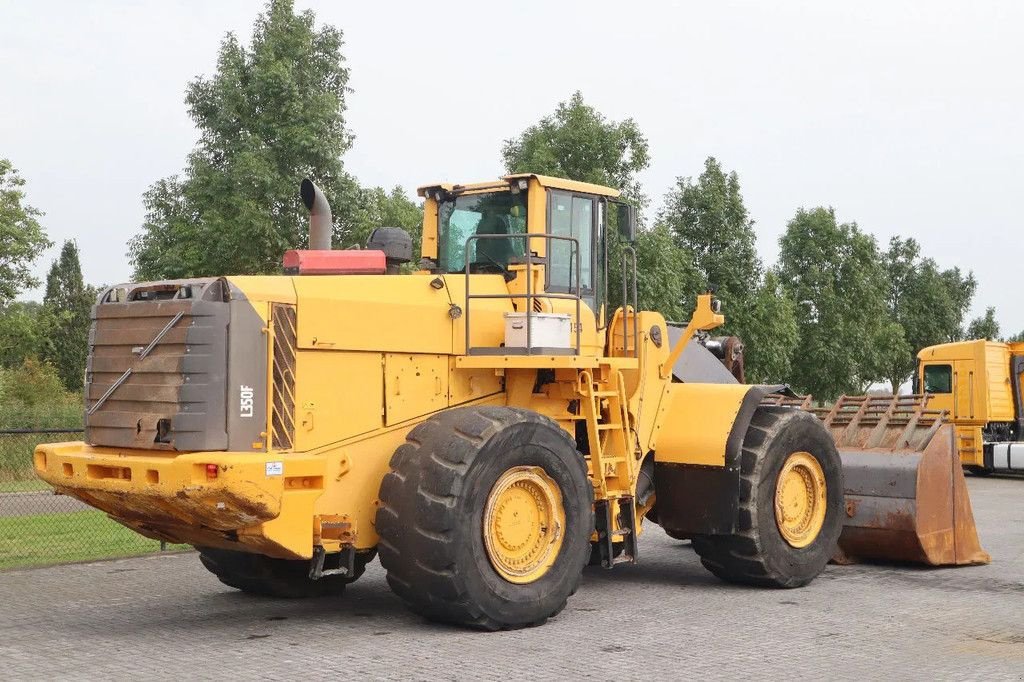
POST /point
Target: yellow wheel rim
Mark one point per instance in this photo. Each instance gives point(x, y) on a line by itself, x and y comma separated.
point(523, 524)
point(800, 495)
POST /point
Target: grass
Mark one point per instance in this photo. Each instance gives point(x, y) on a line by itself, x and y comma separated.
point(45, 539)
point(16, 472)
point(27, 486)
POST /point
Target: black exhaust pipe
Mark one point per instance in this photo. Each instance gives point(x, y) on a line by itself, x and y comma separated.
point(320, 220)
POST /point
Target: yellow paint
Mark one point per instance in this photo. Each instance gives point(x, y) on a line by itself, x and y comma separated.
point(800, 499)
point(414, 385)
point(523, 524)
point(341, 396)
point(704, 319)
point(374, 313)
point(175, 494)
point(694, 422)
point(981, 389)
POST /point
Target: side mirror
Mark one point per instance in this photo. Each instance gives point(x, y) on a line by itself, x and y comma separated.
point(627, 221)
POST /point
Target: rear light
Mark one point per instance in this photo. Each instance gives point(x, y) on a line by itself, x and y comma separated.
point(211, 471)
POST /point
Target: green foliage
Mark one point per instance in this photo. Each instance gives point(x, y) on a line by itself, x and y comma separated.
point(927, 303)
point(666, 278)
point(1016, 338)
point(65, 321)
point(21, 332)
point(710, 222)
point(984, 327)
point(771, 334)
point(272, 114)
point(22, 239)
point(33, 383)
point(834, 275)
point(379, 208)
point(579, 143)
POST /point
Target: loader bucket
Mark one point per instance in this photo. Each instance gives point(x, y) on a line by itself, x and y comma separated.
point(906, 497)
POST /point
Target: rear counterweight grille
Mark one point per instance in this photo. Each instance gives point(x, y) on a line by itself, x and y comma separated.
point(283, 396)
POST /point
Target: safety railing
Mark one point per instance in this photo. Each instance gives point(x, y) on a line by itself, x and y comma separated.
point(530, 295)
point(629, 285)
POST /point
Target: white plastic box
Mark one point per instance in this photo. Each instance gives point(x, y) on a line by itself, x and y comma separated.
point(548, 330)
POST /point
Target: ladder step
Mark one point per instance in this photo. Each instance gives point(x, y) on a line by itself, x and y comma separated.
point(607, 427)
point(603, 394)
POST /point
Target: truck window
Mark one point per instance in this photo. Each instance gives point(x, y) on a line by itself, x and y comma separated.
point(938, 379)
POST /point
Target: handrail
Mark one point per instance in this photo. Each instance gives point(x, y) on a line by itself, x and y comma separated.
point(631, 253)
point(530, 295)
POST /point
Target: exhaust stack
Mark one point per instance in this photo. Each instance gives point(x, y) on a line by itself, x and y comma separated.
point(320, 219)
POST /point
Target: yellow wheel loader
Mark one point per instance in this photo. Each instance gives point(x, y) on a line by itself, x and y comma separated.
point(487, 425)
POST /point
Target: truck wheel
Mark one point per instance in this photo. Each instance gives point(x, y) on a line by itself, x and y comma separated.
point(790, 506)
point(485, 518)
point(268, 577)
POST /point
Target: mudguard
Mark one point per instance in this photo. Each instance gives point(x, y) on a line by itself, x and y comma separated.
point(697, 448)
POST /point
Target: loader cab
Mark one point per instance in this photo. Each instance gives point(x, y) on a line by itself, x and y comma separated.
point(482, 229)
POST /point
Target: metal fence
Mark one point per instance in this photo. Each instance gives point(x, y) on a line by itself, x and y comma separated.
point(39, 527)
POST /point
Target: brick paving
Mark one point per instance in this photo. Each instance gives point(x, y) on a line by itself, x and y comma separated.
point(665, 618)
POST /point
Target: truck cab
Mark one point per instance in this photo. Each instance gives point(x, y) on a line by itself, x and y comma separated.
point(978, 383)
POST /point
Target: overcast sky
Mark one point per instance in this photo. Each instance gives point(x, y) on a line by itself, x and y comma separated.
point(907, 117)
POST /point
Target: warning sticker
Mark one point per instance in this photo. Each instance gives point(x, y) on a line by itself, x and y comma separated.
point(275, 468)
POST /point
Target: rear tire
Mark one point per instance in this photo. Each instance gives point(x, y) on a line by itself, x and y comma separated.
point(268, 577)
point(433, 506)
point(758, 553)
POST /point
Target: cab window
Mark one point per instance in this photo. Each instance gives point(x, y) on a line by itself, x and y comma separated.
point(938, 379)
point(570, 215)
point(486, 213)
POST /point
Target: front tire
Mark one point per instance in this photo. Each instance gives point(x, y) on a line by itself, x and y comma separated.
point(485, 518)
point(790, 507)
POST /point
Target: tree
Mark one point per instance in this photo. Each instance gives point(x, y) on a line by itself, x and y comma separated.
point(771, 333)
point(927, 303)
point(378, 208)
point(20, 332)
point(66, 306)
point(984, 327)
point(710, 222)
point(666, 279)
point(577, 142)
point(1016, 338)
point(833, 273)
point(272, 114)
point(22, 239)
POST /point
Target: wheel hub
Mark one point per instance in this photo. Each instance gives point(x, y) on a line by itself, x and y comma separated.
point(522, 524)
point(800, 499)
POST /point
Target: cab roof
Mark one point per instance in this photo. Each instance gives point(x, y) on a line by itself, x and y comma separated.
point(544, 180)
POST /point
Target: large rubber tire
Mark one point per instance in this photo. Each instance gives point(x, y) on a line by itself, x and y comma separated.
point(268, 577)
point(431, 511)
point(757, 554)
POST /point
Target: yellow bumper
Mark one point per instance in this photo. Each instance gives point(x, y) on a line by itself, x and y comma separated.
point(261, 502)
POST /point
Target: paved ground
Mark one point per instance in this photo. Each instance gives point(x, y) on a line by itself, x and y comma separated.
point(665, 618)
point(41, 502)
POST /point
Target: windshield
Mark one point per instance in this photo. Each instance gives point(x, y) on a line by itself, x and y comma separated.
point(485, 213)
